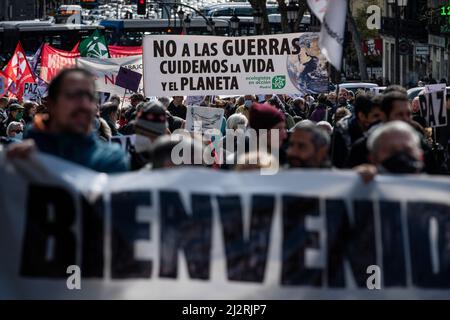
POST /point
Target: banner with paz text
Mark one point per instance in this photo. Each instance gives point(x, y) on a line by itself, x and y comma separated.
point(193, 233)
point(208, 65)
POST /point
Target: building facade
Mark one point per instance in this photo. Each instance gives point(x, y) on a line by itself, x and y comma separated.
point(13, 10)
point(424, 42)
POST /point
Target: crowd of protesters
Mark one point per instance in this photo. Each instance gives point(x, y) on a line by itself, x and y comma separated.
point(371, 134)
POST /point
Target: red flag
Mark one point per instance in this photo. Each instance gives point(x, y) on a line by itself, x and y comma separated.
point(54, 60)
point(75, 48)
point(120, 51)
point(3, 84)
point(18, 70)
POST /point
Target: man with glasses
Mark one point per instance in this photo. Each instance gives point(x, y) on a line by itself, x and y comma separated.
point(68, 130)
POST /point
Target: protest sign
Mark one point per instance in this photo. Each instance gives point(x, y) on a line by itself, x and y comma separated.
point(203, 119)
point(206, 65)
point(34, 91)
point(54, 60)
point(30, 92)
point(200, 100)
point(433, 105)
point(194, 100)
point(126, 142)
point(106, 71)
point(172, 234)
point(128, 79)
point(103, 97)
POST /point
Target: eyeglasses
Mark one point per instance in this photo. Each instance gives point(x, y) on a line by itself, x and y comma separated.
point(73, 95)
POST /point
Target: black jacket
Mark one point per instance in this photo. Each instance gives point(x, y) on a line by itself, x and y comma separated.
point(359, 154)
point(345, 134)
point(179, 111)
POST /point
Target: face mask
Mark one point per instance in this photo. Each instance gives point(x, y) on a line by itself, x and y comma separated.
point(401, 162)
point(19, 136)
point(19, 115)
point(142, 143)
point(248, 103)
point(299, 163)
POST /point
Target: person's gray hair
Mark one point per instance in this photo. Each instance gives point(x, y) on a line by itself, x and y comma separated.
point(165, 101)
point(325, 125)
point(14, 125)
point(394, 127)
point(302, 123)
point(237, 121)
point(320, 137)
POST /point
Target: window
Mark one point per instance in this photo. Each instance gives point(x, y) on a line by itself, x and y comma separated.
point(222, 12)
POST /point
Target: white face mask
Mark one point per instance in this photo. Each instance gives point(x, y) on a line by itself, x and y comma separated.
point(142, 143)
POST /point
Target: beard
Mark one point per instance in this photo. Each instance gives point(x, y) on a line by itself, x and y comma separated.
point(295, 162)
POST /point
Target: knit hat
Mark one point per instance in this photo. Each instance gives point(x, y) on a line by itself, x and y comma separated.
point(151, 119)
point(264, 116)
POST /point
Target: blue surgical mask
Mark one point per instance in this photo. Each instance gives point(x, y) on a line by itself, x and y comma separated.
point(19, 136)
point(248, 103)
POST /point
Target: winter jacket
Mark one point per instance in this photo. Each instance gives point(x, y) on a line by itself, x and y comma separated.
point(88, 151)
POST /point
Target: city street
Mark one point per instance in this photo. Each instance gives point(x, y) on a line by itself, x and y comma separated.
point(225, 150)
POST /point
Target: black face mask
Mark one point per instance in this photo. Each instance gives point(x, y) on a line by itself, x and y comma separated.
point(342, 101)
point(401, 162)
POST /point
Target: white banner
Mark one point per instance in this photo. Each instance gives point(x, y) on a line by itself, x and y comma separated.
point(433, 105)
point(31, 92)
point(106, 71)
point(203, 234)
point(207, 65)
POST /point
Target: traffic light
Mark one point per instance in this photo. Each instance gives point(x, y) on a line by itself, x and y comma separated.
point(142, 7)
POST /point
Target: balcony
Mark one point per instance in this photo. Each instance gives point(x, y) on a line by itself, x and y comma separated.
point(410, 29)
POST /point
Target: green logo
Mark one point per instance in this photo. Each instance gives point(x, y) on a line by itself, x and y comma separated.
point(278, 82)
point(97, 49)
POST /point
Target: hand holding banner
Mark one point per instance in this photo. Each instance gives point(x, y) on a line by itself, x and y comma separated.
point(196, 234)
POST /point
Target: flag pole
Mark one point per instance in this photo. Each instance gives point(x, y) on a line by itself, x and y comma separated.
point(123, 101)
